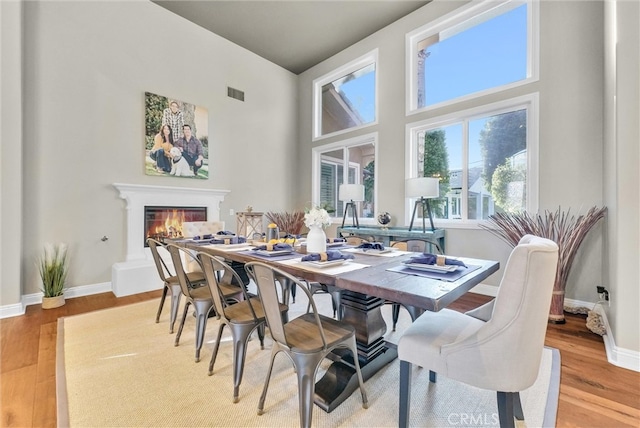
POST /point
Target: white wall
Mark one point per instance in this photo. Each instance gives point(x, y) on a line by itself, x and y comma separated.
point(10, 151)
point(86, 68)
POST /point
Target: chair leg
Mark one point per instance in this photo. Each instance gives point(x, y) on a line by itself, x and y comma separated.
point(505, 409)
point(363, 393)
point(274, 351)
point(162, 299)
point(395, 314)
point(240, 335)
point(336, 295)
point(215, 348)
point(517, 407)
point(175, 305)
point(405, 394)
point(306, 366)
point(184, 318)
point(261, 329)
point(202, 315)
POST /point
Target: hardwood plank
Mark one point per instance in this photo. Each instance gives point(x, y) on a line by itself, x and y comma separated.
point(17, 391)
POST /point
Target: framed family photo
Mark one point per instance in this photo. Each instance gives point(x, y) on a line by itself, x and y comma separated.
point(176, 140)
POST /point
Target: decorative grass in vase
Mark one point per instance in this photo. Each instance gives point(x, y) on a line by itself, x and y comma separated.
point(290, 223)
point(565, 229)
point(53, 268)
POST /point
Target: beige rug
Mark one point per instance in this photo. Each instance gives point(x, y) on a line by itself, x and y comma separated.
point(118, 368)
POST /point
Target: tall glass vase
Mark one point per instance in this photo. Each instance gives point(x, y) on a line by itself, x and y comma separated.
point(316, 240)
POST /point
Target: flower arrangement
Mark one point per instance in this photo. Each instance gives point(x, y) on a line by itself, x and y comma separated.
point(290, 223)
point(318, 217)
point(53, 269)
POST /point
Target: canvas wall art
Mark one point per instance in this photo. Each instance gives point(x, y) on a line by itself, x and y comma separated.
point(176, 138)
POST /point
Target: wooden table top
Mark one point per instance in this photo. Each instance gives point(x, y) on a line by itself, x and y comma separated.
point(376, 280)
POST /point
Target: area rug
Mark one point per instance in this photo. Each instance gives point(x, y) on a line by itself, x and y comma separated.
point(118, 368)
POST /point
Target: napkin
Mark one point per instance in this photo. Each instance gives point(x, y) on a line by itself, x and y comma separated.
point(225, 232)
point(198, 238)
point(274, 247)
point(328, 256)
point(371, 246)
point(432, 259)
point(229, 240)
point(331, 240)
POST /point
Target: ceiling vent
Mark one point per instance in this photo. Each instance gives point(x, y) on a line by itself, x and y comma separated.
point(235, 93)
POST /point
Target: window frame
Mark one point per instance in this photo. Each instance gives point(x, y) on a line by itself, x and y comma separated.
point(352, 66)
point(317, 157)
point(529, 102)
point(460, 17)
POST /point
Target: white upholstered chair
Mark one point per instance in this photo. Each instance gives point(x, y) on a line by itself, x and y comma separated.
point(497, 346)
point(201, 228)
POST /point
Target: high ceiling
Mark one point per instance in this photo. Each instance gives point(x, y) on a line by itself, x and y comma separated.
point(295, 34)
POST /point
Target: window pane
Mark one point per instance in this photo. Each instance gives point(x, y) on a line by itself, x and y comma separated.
point(442, 157)
point(482, 53)
point(349, 101)
point(497, 164)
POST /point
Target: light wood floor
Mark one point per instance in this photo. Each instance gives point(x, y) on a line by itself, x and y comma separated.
point(593, 393)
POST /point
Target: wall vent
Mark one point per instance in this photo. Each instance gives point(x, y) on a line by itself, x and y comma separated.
point(235, 93)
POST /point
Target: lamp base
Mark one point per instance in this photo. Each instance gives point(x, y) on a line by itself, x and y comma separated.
point(354, 214)
point(424, 203)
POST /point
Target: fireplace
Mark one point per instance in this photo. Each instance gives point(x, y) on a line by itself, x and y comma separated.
point(138, 273)
point(166, 222)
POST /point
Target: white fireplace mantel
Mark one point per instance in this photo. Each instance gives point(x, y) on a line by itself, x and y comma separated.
point(131, 276)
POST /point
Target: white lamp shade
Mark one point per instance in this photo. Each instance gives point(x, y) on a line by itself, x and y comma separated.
point(351, 192)
point(422, 187)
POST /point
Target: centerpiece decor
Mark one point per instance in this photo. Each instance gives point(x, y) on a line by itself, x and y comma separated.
point(565, 229)
point(316, 219)
point(53, 270)
point(290, 223)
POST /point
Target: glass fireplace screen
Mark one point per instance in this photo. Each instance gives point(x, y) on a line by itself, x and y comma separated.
point(166, 222)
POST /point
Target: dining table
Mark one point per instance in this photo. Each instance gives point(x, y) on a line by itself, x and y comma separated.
point(366, 283)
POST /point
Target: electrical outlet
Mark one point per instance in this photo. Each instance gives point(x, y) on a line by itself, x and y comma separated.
point(231, 211)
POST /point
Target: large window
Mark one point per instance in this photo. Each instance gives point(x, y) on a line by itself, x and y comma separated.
point(345, 99)
point(485, 158)
point(481, 48)
point(352, 162)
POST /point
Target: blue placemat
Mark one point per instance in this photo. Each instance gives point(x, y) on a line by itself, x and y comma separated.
point(442, 276)
point(272, 258)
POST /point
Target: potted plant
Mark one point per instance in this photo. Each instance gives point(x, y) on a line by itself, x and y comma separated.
point(53, 269)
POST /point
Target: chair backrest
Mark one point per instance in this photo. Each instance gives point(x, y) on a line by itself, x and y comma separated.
point(212, 266)
point(510, 344)
point(419, 245)
point(163, 270)
point(201, 228)
point(265, 278)
point(176, 256)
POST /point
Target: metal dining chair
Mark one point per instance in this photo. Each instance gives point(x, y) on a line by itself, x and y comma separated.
point(306, 340)
point(199, 297)
point(242, 317)
point(171, 283)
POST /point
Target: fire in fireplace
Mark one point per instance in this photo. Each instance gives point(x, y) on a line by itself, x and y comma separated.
point(166, 222)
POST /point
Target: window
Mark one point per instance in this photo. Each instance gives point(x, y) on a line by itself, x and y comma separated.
point(482, 48)
point(345, 99)
point(485, 158)
point(351, 161)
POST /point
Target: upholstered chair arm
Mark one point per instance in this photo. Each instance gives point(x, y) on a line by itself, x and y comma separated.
point(483, 312)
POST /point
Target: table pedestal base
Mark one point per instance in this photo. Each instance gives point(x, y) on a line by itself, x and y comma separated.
point(341, 380)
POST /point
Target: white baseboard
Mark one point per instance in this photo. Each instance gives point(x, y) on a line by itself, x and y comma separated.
point(17, 309)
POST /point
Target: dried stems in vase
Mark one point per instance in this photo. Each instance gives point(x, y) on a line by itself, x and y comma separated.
point(290, 223)
point(565, 229)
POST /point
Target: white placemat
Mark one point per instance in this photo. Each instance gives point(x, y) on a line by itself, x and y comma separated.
point(334, 270)
point(393, 253)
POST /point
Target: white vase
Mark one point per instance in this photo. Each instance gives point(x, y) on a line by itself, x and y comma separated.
point(316, 240)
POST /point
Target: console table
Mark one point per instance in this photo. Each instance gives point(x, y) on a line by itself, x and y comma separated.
point(389, 234)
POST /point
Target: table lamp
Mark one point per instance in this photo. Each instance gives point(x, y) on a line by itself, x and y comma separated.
point(423, 188)
point(351, 193)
